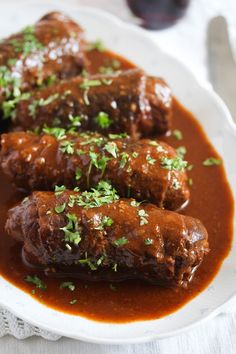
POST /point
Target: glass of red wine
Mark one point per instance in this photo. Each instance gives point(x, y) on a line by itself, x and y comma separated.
point(158, 14)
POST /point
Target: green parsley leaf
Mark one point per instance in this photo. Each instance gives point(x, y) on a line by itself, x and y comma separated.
point(111, 147)
point(67, 285)
point(153, 143)
point(134, 203)
point(176, 164)
point(118, 136)
point(106, 221)
point(177, 134)
point(40, 103)
point(34, 279)
point(78, 174)
point(86, 84)
point(67, 147)
point(103, 194)
point(59, 190)
point(148, 241)
point(59, 133)
point(181, 151)
point(212, 161)
point(124, 159)
point(60, 208)
point(75, 122)
point(72, 230)
point(121, 241)
point(97, 45)
point(150, 160)
point(73, 302)
point(135, 154)
point(103, 120)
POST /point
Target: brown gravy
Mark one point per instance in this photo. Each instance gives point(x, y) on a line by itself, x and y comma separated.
point(132, 301)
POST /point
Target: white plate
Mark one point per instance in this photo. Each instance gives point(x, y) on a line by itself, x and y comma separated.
point(134, 44)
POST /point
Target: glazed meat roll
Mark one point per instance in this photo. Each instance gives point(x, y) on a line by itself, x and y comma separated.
point(128, 101)
point(96, 236)
point(144, 169)
point(50, 49)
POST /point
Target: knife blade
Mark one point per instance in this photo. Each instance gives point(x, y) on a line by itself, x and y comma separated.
point(221, 64)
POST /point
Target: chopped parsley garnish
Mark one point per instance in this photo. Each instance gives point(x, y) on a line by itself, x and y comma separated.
point(103, 194)
point(190, 181)
point(143, 217)
point(99, 163)
point(107, 82)
point(51, 80)
point(78, 174)
point(124, 159)
point(73, 302)
point(8, 107)
point(118, 136)
point(160, 148)
point(106, 70)
point(189, 167)
point(153, 143)
point(67, 147)
point(134, 203)
point(87, 261)
point(9, 83)
point(176, 164)
point(150, 160)
point(181, 151)
point(40, 103)
point(148, 241)
point(60, 208)
point(72, 229)
point(115, 63)
point(106, 221)
point(121, 241)
point(177, 134)
point(135, 154)
point(212, 161)
point(59, 190)
point(67, 285)
point(97, 45)
point(59, 133)
point(103, 120)
point(34, 279)
point(75, 122)
point(28, 44)
point(86, 84)
point(111, 147)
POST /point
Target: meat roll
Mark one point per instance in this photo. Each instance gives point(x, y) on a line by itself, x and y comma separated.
point(144, 169)
point(128, 101)
point(51, 49)
point(96, 236)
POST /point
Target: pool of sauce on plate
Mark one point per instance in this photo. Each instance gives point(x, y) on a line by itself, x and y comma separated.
point(211, 202)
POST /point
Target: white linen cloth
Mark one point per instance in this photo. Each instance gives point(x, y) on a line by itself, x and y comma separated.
point(186, 41)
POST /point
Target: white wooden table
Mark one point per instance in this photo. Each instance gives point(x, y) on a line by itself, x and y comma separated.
point(219, 334)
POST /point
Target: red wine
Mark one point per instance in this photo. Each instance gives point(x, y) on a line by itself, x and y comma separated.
point(158, 14)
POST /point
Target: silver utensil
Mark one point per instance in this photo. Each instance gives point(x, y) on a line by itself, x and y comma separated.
point(221, 64)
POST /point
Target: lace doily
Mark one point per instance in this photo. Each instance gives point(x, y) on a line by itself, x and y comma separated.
point(10, 324)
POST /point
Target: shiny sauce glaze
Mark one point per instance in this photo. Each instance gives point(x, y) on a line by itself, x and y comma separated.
point(135, 300)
